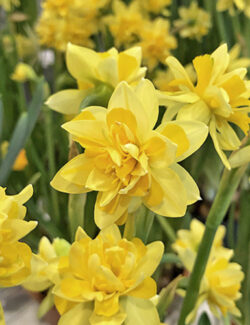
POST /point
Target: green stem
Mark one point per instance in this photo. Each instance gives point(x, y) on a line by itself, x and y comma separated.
point(76, 206)
point(51, 159)
point(167, 228)
point(129, 230)
point(230, 231)
point(229, 183)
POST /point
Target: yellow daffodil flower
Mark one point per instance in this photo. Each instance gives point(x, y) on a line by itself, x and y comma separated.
point(64, 21)
point(188, 242)
point(44, 265)
point(108, 280)
point(21, 161)
point(23, 72)
point(218, 99)
point(156, 41)
point(194, 22)
point(125, 159)
point(125, 22)
point(14, 256)
point(220, 288)
point(155, 6)
point(91, 68)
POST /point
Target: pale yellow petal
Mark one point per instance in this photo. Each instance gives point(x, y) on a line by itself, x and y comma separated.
point(198, 111)
point(81, 62)
point(150, 261)
point(78, 315)
point(196, 133)
point(125, 97)
point(110, 234)
point(146, 91)
point(67, 101)
point(192, 190)
point(72, 177)
point(174, 202)
point(146, 289)
point(139, 311)
point(221, 61)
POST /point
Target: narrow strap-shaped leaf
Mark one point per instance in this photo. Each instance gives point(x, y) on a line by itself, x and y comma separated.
point(22, 132)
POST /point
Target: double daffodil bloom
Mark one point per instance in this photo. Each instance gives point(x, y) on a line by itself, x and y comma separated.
point(218, 99)
point(14, 256)
point(126, 160)
point(91, 69)
point(188, 241)
point(194, 22)
point(221, 281)
point(220, 287)
point(44, 264)
point(108, 280)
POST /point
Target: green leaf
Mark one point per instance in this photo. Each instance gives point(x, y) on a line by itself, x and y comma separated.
point(166, 297)
point(22, 132)
point(204, 320)
point(144, 222)
point(171, 258)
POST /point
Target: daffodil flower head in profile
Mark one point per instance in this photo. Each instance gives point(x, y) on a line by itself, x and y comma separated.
point(96, 72)
point(108, 280)
point(44, 264)
point(15, 256)
point(219, 98)
point(220, 287)
point(188, 242)
point(127, 161)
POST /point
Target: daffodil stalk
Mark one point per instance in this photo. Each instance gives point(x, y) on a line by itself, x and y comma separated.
point(229, 183)
point(51, 160)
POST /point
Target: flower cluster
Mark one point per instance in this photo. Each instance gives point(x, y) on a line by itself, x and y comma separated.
point(222, 279)
point(64, 21)
point(15, 256)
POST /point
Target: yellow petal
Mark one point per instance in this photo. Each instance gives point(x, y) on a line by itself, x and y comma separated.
point(214, 136)
point(127, 64)
point(81, 62)
point(80, 233)
point(87, 131)
point(67, 101)
point(78, 315)
point(121, 115)
point(196, 133)
point(117, 319)
point(198, 111)
point(192, 190)
point(176, 134)
point(98, 180)
point(150, 261)
point(112, 212)
point(178, 71)
point(174, 202)
point(203, 66)
point(63, 305)
point(221, 61)
point(25, 194)
point(124, 97)
point(108, 70)
point(110, 234)
point(146, 289)
point(108, 307)
point(72, 177)
point(146, 91)
point(140, 311)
